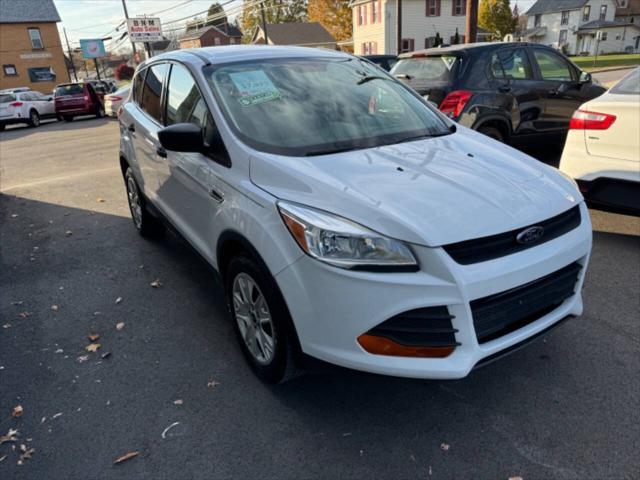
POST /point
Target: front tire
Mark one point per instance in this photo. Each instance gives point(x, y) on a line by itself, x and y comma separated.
point(34, 119)
point(147, 225)
point(100, 112)
point(262, 321)
point(492, 132)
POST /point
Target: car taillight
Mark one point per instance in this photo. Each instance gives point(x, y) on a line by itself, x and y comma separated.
point(86, 98)
point(454, 103)
point(16, 104)
point(583, 120)
point(114, 98)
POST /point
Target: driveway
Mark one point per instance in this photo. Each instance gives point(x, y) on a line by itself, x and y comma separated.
point(170, 383)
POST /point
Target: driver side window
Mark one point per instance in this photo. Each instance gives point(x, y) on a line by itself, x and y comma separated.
point(511, 64)
point(552, 66)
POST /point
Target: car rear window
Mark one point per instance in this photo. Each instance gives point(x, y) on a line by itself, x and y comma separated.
point(73, 89)
point(7, 98)
point(439, 68)
point(629, 85)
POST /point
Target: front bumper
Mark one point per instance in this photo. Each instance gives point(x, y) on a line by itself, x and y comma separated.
point(332, 307)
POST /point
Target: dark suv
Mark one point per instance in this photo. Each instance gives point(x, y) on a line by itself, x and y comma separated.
point(508, 91)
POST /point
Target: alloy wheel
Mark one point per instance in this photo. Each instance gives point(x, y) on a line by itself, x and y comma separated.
point(34, 119)
point(134, 202)
point(253, 318)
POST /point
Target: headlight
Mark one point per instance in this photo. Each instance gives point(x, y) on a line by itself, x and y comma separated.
point(342, 243)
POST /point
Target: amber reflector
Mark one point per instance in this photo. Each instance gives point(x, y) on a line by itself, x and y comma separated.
point(384, 346)
point(297, 230)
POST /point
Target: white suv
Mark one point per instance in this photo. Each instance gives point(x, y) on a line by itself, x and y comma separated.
point(349, 220)
point(25, 107)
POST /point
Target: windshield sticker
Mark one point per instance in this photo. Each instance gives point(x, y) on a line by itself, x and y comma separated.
point(448, 61)
point(254, 87)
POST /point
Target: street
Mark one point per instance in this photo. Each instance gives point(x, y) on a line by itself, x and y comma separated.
point(169, 380)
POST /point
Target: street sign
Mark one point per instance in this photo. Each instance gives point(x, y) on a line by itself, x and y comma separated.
point(144, 29)
point(92, 48)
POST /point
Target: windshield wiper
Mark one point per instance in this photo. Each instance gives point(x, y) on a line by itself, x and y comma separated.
point(329, 152)
point(368, 78)
point(448, 131)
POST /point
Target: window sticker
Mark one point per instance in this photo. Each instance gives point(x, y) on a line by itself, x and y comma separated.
point(254, 87)
point(448, 61)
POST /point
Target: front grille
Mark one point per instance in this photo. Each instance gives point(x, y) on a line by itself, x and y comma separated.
point(423, 327)
point(502, 313)
point(502, 244)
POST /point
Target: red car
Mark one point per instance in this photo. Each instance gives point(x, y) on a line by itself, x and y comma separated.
point(75, 99)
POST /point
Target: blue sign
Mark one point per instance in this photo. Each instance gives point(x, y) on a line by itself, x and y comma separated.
point(92, 48)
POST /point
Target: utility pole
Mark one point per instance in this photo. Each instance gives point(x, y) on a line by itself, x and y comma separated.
point(95, 62)
point(264, 24)
point(472, 21)
point(126, 15)
point(398, 26)
point(73, 65)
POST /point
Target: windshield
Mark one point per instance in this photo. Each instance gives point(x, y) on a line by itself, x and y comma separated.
point(7, 98)
point(72, 89)
point(629, 85)
point(438, 69)
point(315, 106)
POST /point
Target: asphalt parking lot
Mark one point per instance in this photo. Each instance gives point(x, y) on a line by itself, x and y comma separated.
point(175, 388)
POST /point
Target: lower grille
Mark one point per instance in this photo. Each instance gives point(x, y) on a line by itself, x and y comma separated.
point(505, 312)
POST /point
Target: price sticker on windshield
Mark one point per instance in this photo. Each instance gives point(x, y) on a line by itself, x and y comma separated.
point(254, 87)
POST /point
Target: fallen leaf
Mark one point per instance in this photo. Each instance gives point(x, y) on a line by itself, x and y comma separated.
point(119, 325)
point(156, 283)
point(59, 414)
point(515, 478)
point(17, 411)
point(212, 383)
point(126, 457)
point(68, 233)
point(164, 433)
point(118, 300)
point(93, 336)
point(444, 446)
point(82, 358)
point(24, 314)
point(25, 453)
point(2, 458)
point(18, 302)
point(6, 325)
point(100, 200)
point(14, 215)
point(92, 347)
point(178, 402)
point(11, 436)
point(54, 308)
point(105, 355)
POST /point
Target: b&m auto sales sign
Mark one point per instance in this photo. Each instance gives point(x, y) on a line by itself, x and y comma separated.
point(144, 29)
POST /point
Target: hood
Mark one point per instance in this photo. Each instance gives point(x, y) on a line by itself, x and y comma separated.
point(430, 192)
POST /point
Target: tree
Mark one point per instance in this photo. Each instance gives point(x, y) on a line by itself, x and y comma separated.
point(496, 17)
point(124, 72)
point(276, 11)
point(334, 15)
point(438, 40)
point(216, 17)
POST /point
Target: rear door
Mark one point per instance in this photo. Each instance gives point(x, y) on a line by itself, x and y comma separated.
point(147, 119)
point(560, 86)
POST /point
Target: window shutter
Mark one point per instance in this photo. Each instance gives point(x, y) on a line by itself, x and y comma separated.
point(453, 7)
point(463, 7)
point(364, 15)
point(359, 14)
point(438, 5)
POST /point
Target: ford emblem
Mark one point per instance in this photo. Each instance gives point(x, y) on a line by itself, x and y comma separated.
point(530, 235)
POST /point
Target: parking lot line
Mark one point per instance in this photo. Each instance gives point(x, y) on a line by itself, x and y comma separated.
point(58, 179)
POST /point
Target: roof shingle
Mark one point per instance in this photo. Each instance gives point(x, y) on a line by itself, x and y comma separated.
point(298, 33)
point(28, 11)
point(548, 6)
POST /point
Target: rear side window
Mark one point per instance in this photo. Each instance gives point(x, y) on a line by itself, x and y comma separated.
point(439, 68)
point(152, 92)
point(73, 89)
point(511, 64)
point(552, 66)
point(7, 98)
point(136, 86)
point(629, 85)
point(184, 102)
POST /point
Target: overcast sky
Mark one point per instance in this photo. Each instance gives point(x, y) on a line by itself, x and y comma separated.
point(98, 18)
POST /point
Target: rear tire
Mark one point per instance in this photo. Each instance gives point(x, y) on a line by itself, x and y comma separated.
point(67, 118)
point(34, 119)
point(261, 320)
point(492, 132)
point(100, 112)
point(147, 225)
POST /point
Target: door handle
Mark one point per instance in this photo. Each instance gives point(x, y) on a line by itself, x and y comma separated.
point(216, 194)
point(131, 127)
point(553, 93)
point(161, 152)
point(504, 88)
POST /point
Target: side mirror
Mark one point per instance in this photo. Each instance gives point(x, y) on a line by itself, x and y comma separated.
point(182, 137)
point(585, 77)
point(50, 98)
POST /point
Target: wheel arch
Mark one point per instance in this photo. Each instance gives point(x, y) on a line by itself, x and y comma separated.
point(497, 121)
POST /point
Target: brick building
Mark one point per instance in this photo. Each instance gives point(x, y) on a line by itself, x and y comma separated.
point(30, 49)
point(212, 36)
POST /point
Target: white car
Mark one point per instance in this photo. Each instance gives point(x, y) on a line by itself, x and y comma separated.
point(348, 219)
point(602, 151)
point(113, 101)
point(25, 107)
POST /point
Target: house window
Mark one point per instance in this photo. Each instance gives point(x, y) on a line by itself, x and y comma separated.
point(562, 40)
point(603, 36)
point(586, 12)
point(9, 70)
point(565, 18)
point(360, 17)
point(232, 41)
point(369, 48)
point(216, 41)
point(36, 39)
point(458, 7)
point(603, 12)
point(433, 8)
point(374, 12)
point(537, 20)
point(407, 45)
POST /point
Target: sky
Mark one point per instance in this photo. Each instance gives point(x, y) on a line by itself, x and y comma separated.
point(99, 18)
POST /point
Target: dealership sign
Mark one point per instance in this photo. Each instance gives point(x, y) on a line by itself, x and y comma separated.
point(144, 29)
point(93, 48)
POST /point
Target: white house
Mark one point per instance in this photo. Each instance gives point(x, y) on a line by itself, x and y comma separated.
point(579, 27)
point(374, 24)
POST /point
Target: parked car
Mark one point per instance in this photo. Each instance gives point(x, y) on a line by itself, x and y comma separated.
point(348, 219)
point(76, 99)
point(602, 151)
point(16, 90)
point(113, 101)
point(508, 91)
point(386, 62)
point(25, 106)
